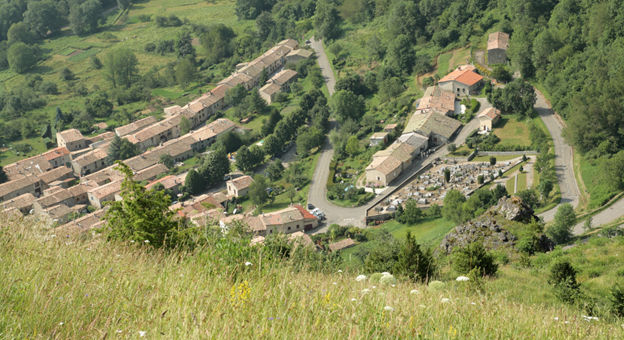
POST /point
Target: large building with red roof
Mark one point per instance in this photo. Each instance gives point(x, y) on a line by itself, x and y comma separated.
point(463, 81)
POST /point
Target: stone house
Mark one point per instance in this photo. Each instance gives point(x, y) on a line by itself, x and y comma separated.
point(239, 187)
point(497, 45)
point(488, 119)
point(71, 139)
point(463, 81)
point(286, 221)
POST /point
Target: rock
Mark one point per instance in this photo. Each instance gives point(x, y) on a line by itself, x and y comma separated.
point(513, 209)
point(484, 229)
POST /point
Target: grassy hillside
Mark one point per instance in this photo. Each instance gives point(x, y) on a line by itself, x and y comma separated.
point(62, 288)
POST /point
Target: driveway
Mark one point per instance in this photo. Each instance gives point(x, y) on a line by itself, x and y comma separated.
point(564, 161)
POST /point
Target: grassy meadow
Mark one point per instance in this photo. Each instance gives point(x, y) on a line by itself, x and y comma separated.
point(76, 289)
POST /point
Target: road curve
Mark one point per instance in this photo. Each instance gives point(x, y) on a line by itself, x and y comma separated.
point(564, 157)
point(318, 187)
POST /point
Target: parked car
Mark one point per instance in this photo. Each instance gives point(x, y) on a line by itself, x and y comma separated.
point(311, 206)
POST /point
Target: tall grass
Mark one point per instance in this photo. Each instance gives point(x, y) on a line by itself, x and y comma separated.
point(56, 287)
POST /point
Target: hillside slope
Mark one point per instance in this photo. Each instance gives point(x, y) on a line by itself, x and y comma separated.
point(62, 288)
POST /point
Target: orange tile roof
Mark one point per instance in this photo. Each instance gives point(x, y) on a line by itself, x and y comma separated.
point(464, 76)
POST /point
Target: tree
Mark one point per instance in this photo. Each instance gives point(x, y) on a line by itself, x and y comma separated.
point(258, 190)
point(501, 74)
point(411, 213)
point(120, 149)
point(561, 230)
point(265, 25)
point(20, 32)
point(121, 67)
point(185, 125)
point(3, 176)
point(248, 159)
point(83, 17)
point(184, 72)
point(21, 57)
point(517, 97)
point(309, 138)
point(142, 215)
point(275, 170)
point(563, 278)
point(473, 257)
point(327, 20)
point(43, 16)
point(347, 105)
point(272, 145)
point(167, 161)
point(123, 4)
point(492, 160)
point(235, 95)
point(194, 182)
point(250, 9)
point(184, 46)
point(452, 208)
point(447, 175)
point(217, 42)
point(353, 146)
point(98, 105)
point(545, 186)
point(400, 56)
point(414, 263)
point(214, 166)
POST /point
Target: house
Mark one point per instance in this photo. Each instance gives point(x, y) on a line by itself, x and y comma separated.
point(179, 149)
point(150, 173)
point(497, 45)
point(58, 157)
point(289, 220)
point(298, 55)
point(462, 81)
point(135, 126)
point(71, 139)
point(23, 203)
point(97, 196)
point(55, 175)
point(90, 162)
point(488, 119)
point(239, 187)
point(70, 197)
point(389, 163)
point(418, 141)
point(156, 133)
point(269, 91)
point(61, 213)
point(378, 138)
point(23, 185)
point(439, 128)
point(438, 100)
point(171, 182)
point(38, 164)
point(82, 224)
point(340, 245)
point(208, 134)
point(390, 128)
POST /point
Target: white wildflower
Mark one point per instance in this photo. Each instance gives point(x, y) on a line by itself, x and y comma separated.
point(146, 241)
point(556, 318)
point(118, 331)
point(339, 271)
point(387, 279)
point(353, 299)
point(445, 300)
point(388, 308)
point(462, 278)
point(385, 273)
point(566, 322)
point(247, 264)
point(131, 241)
point(472, 303)
point(374, 287)
point(61, 323)
point(142, 333)
point(334, 283)
point(414, 291)
point(360, 278)
point(365, 290)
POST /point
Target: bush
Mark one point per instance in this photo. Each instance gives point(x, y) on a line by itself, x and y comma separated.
point(617, 300)
point(473, 256)
point(563, 278)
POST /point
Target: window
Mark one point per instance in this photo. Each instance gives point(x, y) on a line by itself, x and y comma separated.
point(288, 228)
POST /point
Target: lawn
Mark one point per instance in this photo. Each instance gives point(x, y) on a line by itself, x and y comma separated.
point(501, 158)
point(10, 155)
point(443, 63)
point(512, 132)
point(429, 231)
point(592, 174)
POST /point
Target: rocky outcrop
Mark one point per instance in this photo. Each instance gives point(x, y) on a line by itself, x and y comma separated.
point(487, 230)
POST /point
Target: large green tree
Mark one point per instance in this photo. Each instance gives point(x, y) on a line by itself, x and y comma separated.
point(217, 42)
point(327, 20)
point(348, 105)
point(43, 17)
point(120, 149)
point(21, 57)
point(83, 17)
point(258, 190)
point(121, 67)
point(561, 230)
point(414, 262)
point(453, 206)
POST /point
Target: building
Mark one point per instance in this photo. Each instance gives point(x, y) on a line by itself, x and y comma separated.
point(418, 141)
point(488, 119)
point(23, 203)
point(340, 245)
point(150, 173)
point(97, 196)
point(239, 187)
point(171, 182)
point(90, 162)
point(295, 56)
point(378, 138)
point(58, 157)
point(23, 185)
point(497, 45)
point(38, 164)
point(289, 220)
point(156, 133)
point(439, 128)
point(70, 197)
point(82, 224)
point(55, 175)
point(135, 126)
point(269, 91)
point(463, 81)
point(389, 163)
point(71, 139)
point(438, 100)
point(208, 134)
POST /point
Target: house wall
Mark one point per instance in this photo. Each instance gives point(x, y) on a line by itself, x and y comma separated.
point(497, 56)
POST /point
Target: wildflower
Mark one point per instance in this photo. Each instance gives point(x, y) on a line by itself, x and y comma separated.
point(387, 279)
point(131, 241)
point(388, 308)
point(445, 300)
point(556, 318)
point(142, 333)
point(61, 323)
point(270, 318)
point(247, 264)
point(566, 322)
point(393, 285)
point(414, 292)
point(365, 290)
point(118, 331)
point(334, 283)
point(374, 287)
point(239, 294)
point(353, 299)
point(385, 273)
point(589, 318)
point(52, 236)
point(360, 278)
point(146, 241)
point(339, 271)
point(472, 303)
point(462, 278)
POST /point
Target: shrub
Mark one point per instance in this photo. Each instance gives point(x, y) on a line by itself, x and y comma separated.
point(436, 285)
point(617, 300)
point(474, 255)
point(563, 278)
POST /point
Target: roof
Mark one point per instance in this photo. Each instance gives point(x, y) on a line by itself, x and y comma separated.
point(168, 182)
point(156, 129)
point(136, 126)
point(438, 100)
point(414, 139)
point(213, 129)
point(299, 238)
point(385, 165)
point(498, 40)
point(56, 153)
point(55, 174)
point(379, 135)
point(17, 184)
point(289, 42)
point(20, 202)
point(280, 217)
point(304, 212)
point(242, 182)
point(301, 52)
point(106, 190)
point(431, 122)
point(220, 90)
point(58, 211)
point(151, 172)
point(490, 113)
point(91, 157)
point(462, 75)
point(71, 135)
point(81, 224)
point(30, 166)
point(402, 152)
point(284, 76)
point(342, 244)
point(270, 89)
point(102, 136)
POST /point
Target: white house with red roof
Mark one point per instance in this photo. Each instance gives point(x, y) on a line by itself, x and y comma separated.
point(462, 81)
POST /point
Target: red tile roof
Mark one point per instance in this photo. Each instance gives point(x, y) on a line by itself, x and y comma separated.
point(464, 76)
point(306, 214)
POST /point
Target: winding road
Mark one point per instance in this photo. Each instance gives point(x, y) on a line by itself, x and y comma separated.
point(564, 164)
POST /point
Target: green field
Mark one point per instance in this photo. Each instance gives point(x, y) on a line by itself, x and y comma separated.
point(593, 177)
point(429, 231)
point(511, 131)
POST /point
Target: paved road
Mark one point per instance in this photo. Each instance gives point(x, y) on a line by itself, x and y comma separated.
point(606, 216)
point(564, 162)
point(318, 186)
